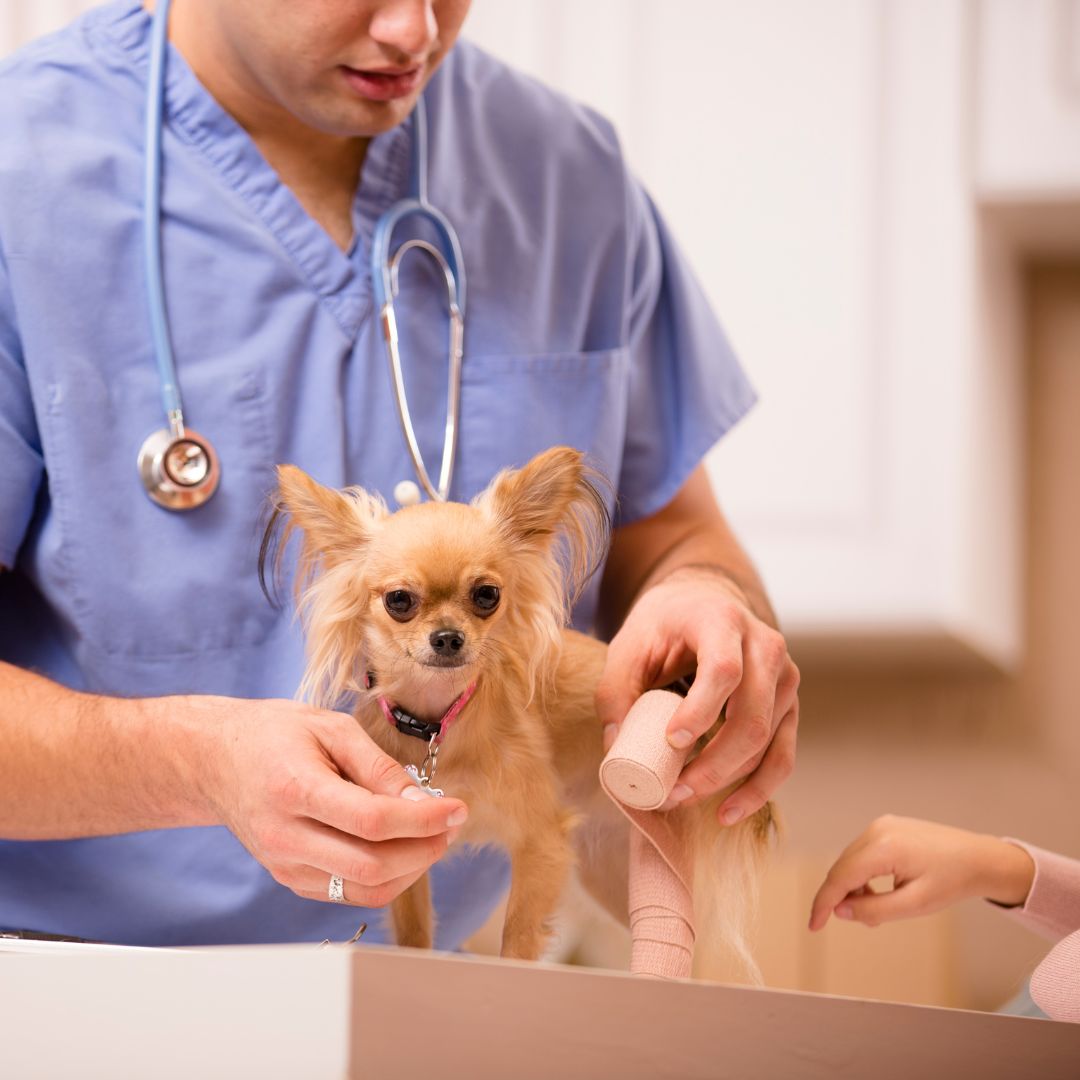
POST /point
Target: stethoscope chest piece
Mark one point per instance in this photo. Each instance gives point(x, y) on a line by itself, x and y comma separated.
point(180, 471)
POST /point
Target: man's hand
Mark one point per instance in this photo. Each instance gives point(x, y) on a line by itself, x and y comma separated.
point(932, 866)
point(696, 620)
point(310, 796)
point(305, 790)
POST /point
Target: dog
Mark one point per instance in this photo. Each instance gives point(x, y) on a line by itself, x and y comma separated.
point(451, 619)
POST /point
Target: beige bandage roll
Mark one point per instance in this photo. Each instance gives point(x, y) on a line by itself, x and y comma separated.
point(641, 767)
point(638, 774)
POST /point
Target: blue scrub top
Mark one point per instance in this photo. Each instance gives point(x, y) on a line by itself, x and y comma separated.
point(584, 327)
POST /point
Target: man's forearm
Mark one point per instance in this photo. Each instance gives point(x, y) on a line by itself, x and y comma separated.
point(714, 552)
point(75, 764)
point(690, 535)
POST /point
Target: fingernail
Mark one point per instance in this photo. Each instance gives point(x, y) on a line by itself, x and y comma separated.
point(451, 836)
point(681, 739)
point(679, 793)
point(732, 814)
point(413, 794)
point(458, 817)
point(843, 911)
point(610, 731)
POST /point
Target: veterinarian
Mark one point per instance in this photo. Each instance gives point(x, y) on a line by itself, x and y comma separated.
point(157, 783)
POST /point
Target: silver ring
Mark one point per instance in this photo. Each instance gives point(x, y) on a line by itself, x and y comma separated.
point(336, 891)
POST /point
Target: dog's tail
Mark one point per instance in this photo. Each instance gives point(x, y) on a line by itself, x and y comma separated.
point(728, 867)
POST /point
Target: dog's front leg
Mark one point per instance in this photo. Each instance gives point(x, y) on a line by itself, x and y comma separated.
point(540, 867)
point(412, 915)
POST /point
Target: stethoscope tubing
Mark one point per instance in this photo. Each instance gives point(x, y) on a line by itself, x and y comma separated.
point(154, 269)
point(384, 275)
point(415, 206)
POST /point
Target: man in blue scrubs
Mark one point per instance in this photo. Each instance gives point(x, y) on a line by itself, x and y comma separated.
point(157, 785)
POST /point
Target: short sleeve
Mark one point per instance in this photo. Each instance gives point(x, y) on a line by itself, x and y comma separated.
point(687, 388)
point(20, 446)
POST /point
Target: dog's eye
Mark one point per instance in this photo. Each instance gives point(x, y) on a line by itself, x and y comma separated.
point(401, 604)
point(486, 598)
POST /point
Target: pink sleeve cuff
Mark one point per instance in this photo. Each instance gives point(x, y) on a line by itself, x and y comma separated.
point(1053, 905)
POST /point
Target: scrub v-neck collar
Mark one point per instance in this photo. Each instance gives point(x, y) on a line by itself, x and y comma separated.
point(340, 279)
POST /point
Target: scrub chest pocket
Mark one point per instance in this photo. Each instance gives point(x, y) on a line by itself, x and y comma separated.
point(143, 583)
point(514, 407)
point(140, 581)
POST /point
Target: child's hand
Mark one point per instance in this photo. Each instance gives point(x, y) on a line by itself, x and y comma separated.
point(932, 867)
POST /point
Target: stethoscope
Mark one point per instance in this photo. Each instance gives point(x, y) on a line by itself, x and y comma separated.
point(446, 251)
point(179, 467)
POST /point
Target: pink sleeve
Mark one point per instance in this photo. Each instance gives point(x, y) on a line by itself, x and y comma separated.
point(1055, 986)
point(1053, 905)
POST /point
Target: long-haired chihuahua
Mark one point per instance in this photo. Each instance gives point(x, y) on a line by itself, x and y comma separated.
point(444, 628)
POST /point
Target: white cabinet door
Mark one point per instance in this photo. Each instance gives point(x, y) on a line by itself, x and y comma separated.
point(1027, 94)
point(814, 159)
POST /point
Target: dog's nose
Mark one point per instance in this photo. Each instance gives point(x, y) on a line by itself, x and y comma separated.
point(445, 642)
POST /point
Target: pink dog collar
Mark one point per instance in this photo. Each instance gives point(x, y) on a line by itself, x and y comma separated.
point(422, 729)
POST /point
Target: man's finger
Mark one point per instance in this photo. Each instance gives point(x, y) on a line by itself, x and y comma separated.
point(352, 810)
point(776, 766)
point(362, 762)
point(370, 863)
point(313, 883)
point(787, 699)
point(719, 672)
point(747, 731)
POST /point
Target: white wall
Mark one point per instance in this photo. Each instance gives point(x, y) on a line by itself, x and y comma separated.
point(22, 20)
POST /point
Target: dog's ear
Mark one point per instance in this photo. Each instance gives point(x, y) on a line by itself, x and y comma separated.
point(555, 496)
point(529, 503)
point(335, 525)
point(336, 528)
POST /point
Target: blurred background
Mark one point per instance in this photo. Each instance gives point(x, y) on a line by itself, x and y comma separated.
point(882, 198)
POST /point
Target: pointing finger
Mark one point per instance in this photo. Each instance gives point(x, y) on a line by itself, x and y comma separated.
point(857, 865)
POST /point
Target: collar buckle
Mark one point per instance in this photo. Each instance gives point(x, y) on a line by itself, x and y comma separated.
point(410, 725)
